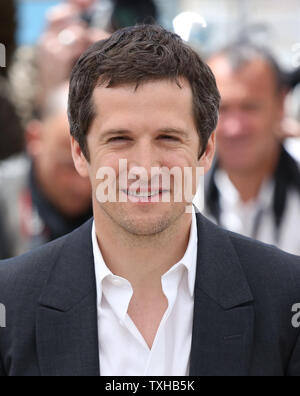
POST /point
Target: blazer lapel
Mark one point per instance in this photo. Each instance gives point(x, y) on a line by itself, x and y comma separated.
point(67, 330)
point(224, 314)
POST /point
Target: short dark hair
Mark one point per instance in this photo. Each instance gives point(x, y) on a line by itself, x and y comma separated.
point(241, 53)
point(135, 55)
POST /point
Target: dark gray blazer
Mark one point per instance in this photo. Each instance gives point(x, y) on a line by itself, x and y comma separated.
point(244, 296)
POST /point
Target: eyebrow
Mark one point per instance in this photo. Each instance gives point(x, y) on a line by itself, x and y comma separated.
point(175, 131)
point(167, 130)
point(114, 132)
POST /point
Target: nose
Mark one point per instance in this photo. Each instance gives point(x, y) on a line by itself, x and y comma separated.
point(145, 155)
point(233, 126)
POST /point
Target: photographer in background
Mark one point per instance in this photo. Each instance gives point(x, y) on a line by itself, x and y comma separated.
point(67, 35)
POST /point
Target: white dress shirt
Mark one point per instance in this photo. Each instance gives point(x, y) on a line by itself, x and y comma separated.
point(293, 147)
point(122, 349)
point(255, 219)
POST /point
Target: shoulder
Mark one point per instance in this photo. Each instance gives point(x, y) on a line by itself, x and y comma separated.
point(260, 254)
point(28, 271)
point(31, 270)
point(270, 271)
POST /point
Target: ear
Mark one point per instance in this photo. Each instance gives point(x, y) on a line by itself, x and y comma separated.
point(207, 158)
point(33, 138)
point(80, 162)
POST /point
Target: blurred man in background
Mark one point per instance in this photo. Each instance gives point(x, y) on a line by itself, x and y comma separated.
point(41, 195)
point(11, 131)
point(254, 188)
point(44, 198)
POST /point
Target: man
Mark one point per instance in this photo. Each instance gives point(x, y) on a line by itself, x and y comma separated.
point(147, 288)
point(254, 188)
point(42, 196)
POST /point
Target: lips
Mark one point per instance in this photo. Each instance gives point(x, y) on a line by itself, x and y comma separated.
point(144, 196)
point(144, 193)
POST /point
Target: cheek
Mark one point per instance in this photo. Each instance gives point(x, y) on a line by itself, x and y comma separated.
point(64, 179)
point(51, 169)
point(101, 161)
point(187, 157)
point(263, 128)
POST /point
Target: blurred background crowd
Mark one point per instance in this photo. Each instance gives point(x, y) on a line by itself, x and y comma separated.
point(252, 46)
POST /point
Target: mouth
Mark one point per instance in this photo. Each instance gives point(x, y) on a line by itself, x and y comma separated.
point(144, 196)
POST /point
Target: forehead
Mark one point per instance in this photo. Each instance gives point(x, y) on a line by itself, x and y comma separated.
point(158, 100)
point(254, 78)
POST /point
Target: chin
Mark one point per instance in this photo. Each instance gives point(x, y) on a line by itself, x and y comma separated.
point(147, 227)
point(144, 222)
point(238, 166)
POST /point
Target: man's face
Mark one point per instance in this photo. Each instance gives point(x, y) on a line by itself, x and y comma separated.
point(251, 112)
point(152, 126)
point(57, 176)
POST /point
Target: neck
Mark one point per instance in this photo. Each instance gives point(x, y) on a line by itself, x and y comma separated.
point(249, 183)
point(142, 260)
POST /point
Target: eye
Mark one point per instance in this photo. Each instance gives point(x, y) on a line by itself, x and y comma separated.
point(252, 107)
point(118, 139)
point(169, 137)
